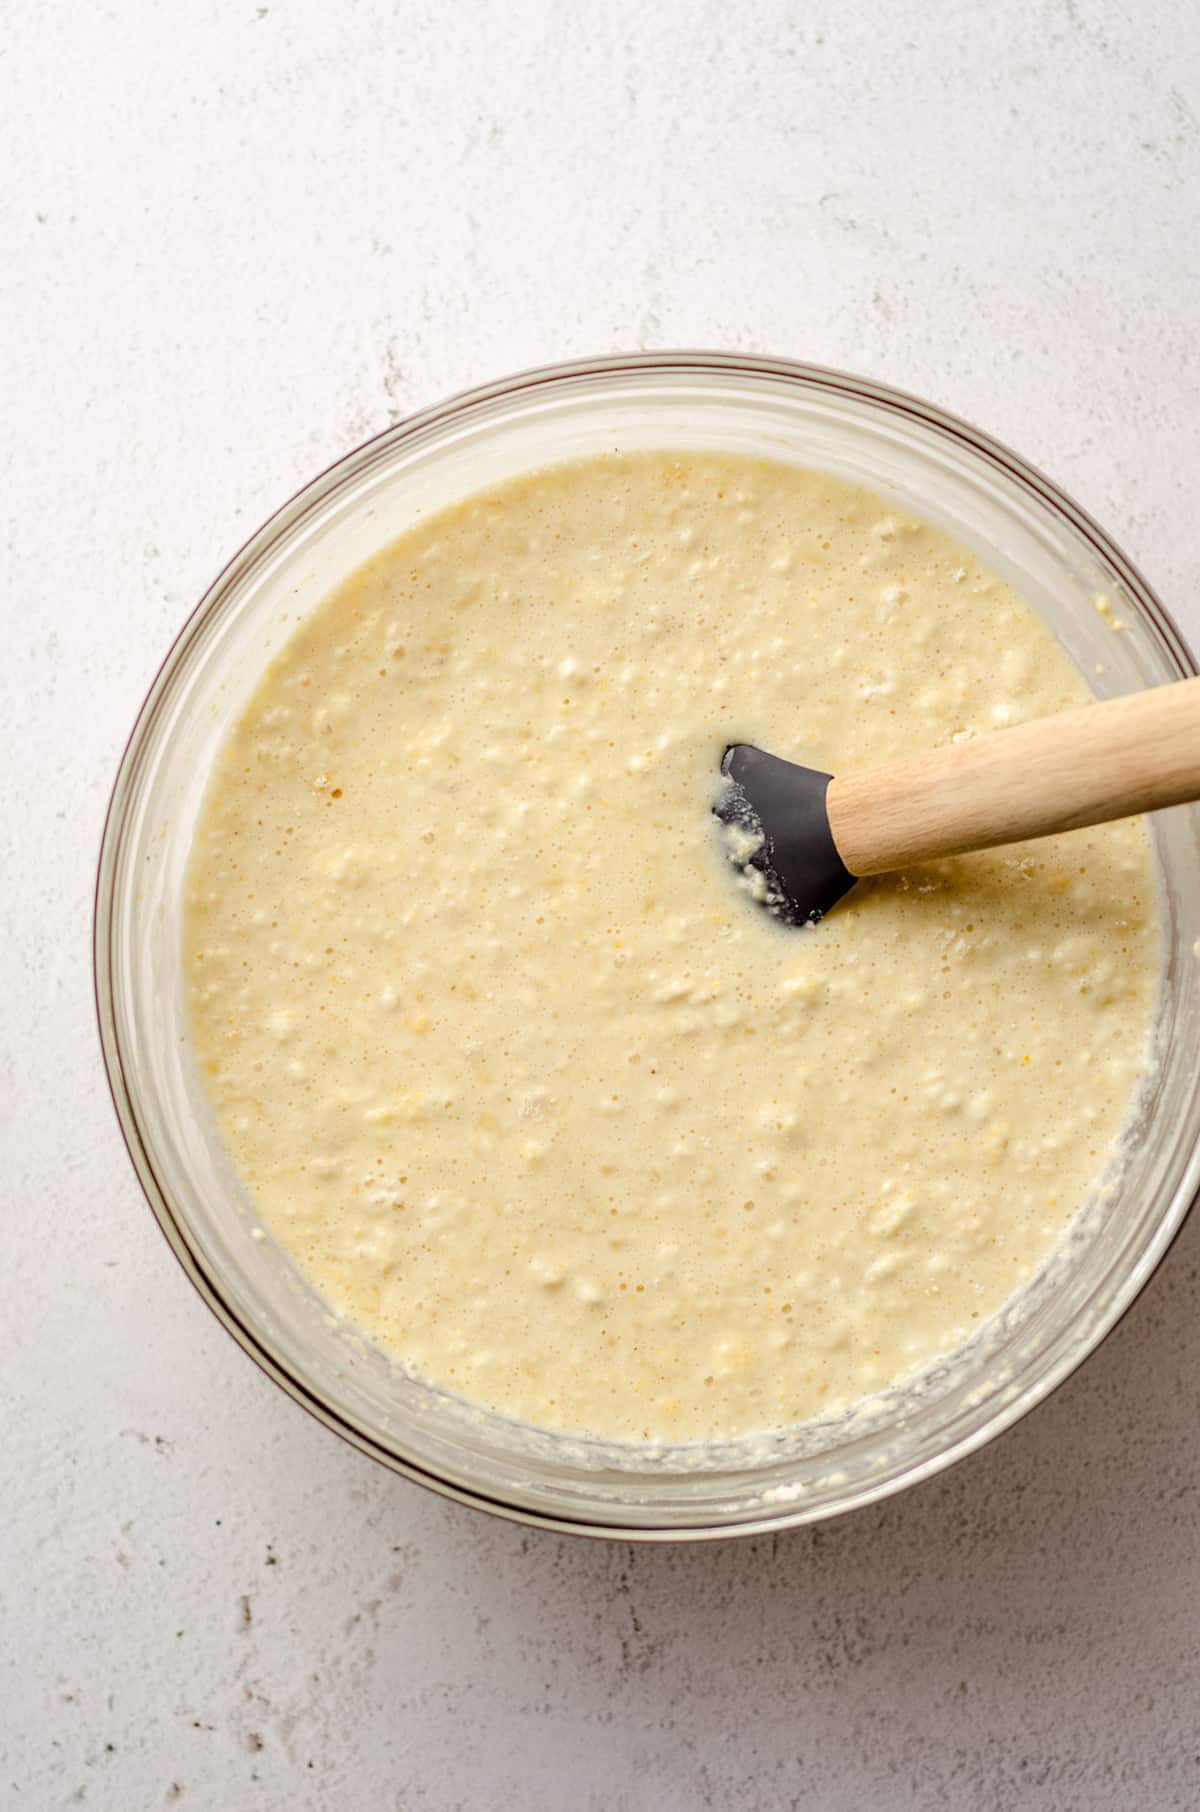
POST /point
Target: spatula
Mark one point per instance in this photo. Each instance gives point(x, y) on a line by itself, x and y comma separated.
point(806, 836)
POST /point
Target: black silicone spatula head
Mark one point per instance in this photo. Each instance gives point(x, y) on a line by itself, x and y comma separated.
point(776, 831)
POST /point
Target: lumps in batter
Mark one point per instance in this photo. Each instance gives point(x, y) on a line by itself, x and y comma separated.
point(531, 1090)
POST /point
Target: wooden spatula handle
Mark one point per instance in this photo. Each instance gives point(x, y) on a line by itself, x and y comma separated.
point(1102, 761)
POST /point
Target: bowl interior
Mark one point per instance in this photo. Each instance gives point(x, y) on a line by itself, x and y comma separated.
point(921, 460)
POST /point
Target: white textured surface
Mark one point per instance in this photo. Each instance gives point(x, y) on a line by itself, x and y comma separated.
point(237, 239)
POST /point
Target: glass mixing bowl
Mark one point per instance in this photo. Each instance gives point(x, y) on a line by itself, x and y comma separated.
point(909, 451)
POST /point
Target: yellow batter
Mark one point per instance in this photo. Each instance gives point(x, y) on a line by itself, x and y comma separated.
point(529, 1087)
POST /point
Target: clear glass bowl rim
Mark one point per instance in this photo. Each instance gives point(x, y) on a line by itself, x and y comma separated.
point(699, 364)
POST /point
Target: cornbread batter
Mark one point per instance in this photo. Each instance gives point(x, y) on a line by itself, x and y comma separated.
point(530, 1088)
